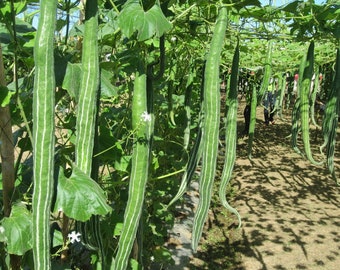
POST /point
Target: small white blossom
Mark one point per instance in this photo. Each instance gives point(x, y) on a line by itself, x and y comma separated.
point(152, 258)
point(146, 117)
point(74, 237)
point(107, 57)
point(2, 229)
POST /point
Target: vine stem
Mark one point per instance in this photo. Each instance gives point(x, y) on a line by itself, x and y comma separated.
point(184, 13)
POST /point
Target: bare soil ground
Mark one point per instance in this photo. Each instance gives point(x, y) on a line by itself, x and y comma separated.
point(290, 209)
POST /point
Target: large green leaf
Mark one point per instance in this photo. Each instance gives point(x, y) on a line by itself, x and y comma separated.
point(107, 90)
point(25, 32)
point(6, 9)
point(147, 23)
point(291, 7)
point(16, 230)
point(80, 197)
point(71, 80)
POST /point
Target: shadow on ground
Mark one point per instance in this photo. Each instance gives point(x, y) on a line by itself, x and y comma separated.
point(290, 209)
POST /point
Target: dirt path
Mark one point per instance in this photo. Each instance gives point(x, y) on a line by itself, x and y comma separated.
point(290, 209)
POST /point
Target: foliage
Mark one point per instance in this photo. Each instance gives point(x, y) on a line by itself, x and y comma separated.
point(89, 200)
point(16, 230)
point(114, 156)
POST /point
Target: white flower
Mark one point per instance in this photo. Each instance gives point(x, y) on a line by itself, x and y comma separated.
point(2, 229)
point(107, 57)
point(146, 117)
point(74, 237)
point(152, 258)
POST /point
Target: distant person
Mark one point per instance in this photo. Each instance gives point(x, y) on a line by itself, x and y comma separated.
point(269, 103)
point(296, 82)
point(246, 113)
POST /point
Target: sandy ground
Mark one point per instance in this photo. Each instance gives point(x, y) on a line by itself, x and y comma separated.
point(290, 209)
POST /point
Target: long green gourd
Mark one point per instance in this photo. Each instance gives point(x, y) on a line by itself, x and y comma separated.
point(313, 96)
point(267, 72)
point(304, 102)
point(187, 108)
point(252, 122)
point(330, 149)
point(211, 122)
point(86, 114)
point(87, 107)
point(141, 122)
point(296, 108)
point(331, 119)
point(281, 95)
point(231, 134)
point(295, 125)
point(329, 113)
point(257, 98)
point(43, 133)
point(194, 156)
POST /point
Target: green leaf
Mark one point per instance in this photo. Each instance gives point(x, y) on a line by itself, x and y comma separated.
point(122, 164)
point(5, 96)
point(133, 18)
point(118, 229)
point(18, 8)
point(72, 80)
point(107, 90)
point(163, 255)
point(57, 239)
point(242, 4)
point(80, 197)
point(60, 24)
point(336, 32)
point(22, 29)
point(291, 7)
point(134, 265)
point(16, 230)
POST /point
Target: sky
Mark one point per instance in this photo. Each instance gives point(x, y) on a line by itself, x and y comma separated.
point(283, 2)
